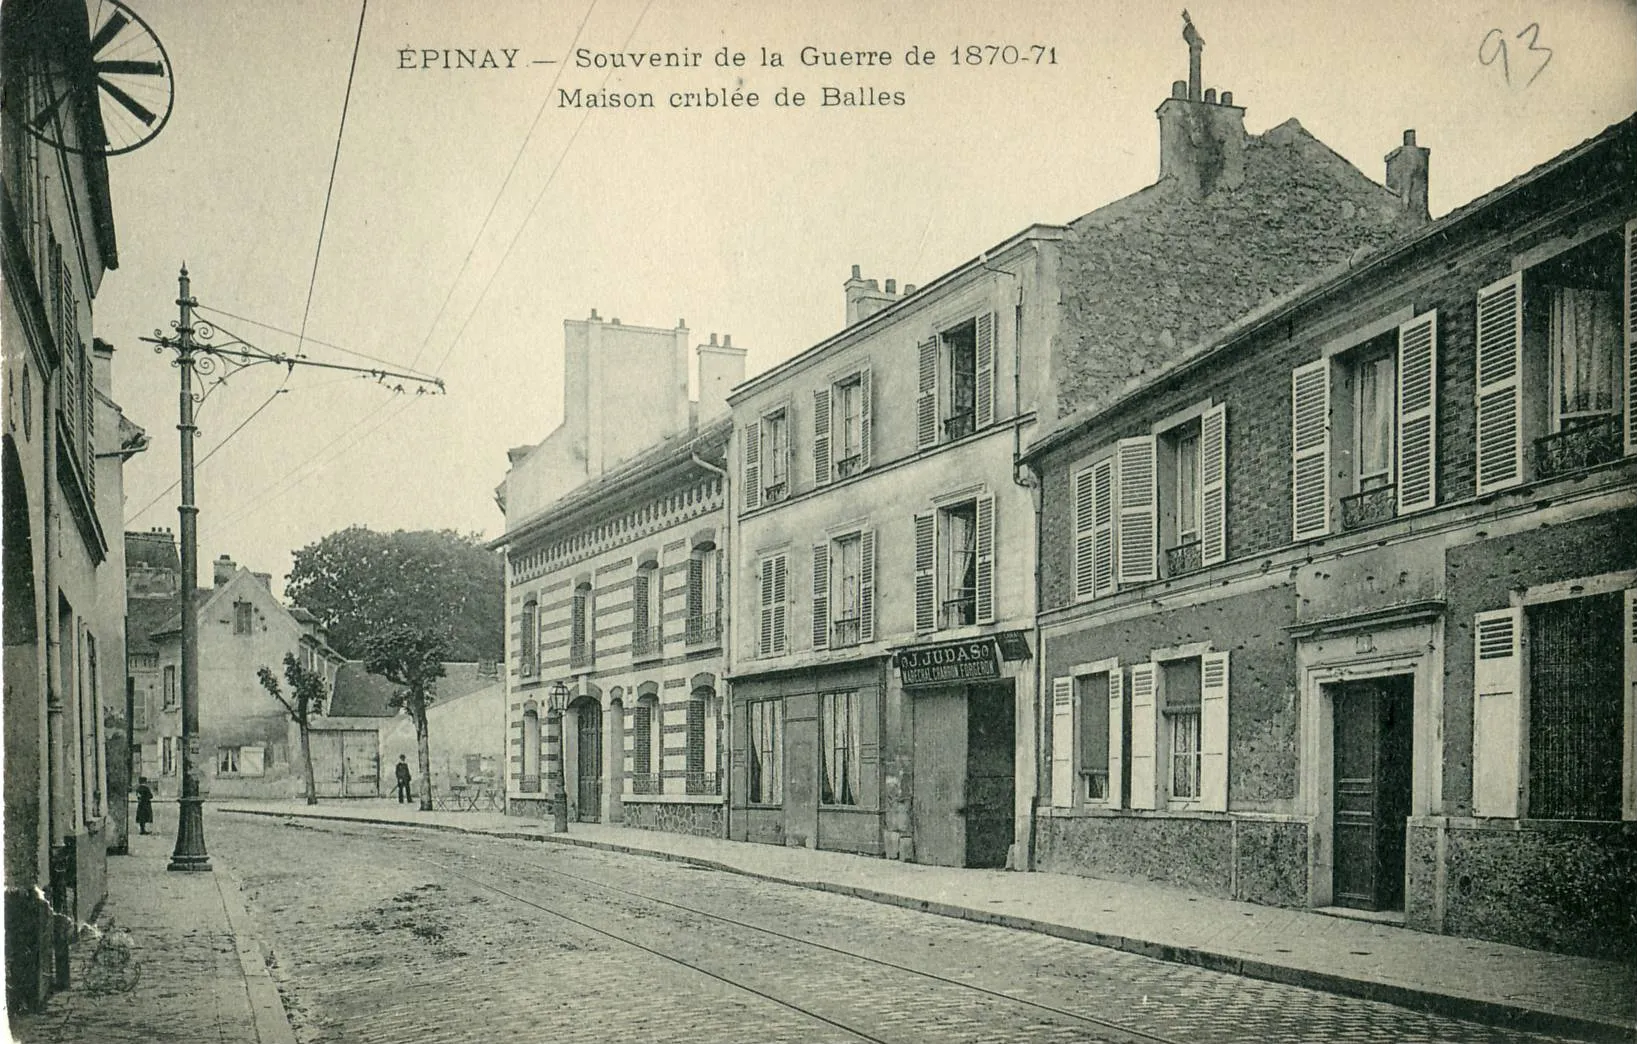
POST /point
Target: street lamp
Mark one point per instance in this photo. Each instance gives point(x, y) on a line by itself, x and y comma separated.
point(556, 700)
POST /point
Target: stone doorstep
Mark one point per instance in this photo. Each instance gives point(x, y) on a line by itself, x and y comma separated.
point(1440, 1001)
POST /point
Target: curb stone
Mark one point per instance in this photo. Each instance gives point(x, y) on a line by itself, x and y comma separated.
point(271, 1022)
point(1450, 1005)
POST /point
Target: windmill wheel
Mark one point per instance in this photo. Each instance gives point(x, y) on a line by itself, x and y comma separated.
point(123, 66)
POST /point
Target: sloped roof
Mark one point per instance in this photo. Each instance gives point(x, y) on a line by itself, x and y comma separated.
point(1614, 149)
point(360, 694)
point(1155, 272)
point(145, 617)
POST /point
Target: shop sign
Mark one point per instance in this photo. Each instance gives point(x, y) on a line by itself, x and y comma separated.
point(949, 663)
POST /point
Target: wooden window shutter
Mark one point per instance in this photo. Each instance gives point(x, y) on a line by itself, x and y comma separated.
point(926, 395)
point(764, 644)
point(821, 435)
point(1138, 510)
point(1628, 803)
point(984, 357)
point(1500, 365)
point(1062, 742)
point(1310, 450)
point(1631, 354)
point(866, 425)
point(1497, 684)
point(1094, 530)
point(1417, 465)
point(926, 581)
point(1145, 735)
point(1213, 483)
point(985, 595)
point(1116, 736)
point(866, 586)
point(1213, 732)
point(781, 606)
point(753, 465)
point(821, 595)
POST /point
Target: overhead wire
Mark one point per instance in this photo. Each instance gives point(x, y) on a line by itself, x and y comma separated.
point(494, 203)
point(213, 450)
point(292, 333)
point(478, 304)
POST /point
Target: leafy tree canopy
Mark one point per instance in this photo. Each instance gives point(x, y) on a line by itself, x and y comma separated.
point(410, 658)
point(358, 581)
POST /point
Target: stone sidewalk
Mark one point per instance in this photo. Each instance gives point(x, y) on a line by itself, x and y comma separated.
point(1462, 978)
point(172, 959)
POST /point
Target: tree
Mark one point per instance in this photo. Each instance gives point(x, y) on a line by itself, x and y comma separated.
point(306, 699)
point(357, 581)
point(412, 659)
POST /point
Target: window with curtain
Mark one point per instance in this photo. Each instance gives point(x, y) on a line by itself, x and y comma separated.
point(762, 720)
point(1585, 353)
point(960, 541)
point(1377, 400)
point(838, 748)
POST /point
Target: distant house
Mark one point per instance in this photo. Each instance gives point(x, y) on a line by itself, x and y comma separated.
point(245, 735)
point(361, 732)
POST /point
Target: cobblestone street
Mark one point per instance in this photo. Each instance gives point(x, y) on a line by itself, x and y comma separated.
point(383, 934)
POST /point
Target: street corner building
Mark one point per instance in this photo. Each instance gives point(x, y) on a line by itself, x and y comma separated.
point(616, 537)
point(885, 692)
point(65, 444)
point(1337, 608)
point(249, 745)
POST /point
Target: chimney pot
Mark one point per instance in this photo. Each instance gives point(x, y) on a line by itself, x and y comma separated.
point(1210, 96)
point(892, 286)
point(856, 273)
point(1407, 175)
point(727, 340)
point(909, 288)
point(1409, 136)
point(713, 338)
point(1179, 88)
point(615, 321)
point(594, 316)
point(1227, 97)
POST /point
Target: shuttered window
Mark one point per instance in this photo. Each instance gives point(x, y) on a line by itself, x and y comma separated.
point(751, 458)
point(1417, 450)
point(1094, 530)
point(926, 394)
point(1576, 707)
point(1137, 516)
point(926, 563)
point(1497, 686)
point(1499, 372)
point(1628, 633)
point(774, 592)
point(1063, 742)
point(1629, 314)
point(823, 399)
point(1213, 481)
point(1213, 719)
point(984, 379)
point(1145, 735)
point(984, 594)
point(821, 596)
point(1310, 449)
point(866, 586)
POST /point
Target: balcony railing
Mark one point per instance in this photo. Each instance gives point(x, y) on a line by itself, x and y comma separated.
point(959, 426)
point(646, 783)
point(1586, 444)
point(702, 783)
point(1184, 558)
point(704, 630)
point(579, 656)
point(961, 610)
point(528, 784)
point(847, 467)
point(647, 642)
point(1369, 508)
point(844, 632)
point(775, 492)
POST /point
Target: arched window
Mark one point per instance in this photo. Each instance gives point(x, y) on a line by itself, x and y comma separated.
point(529, 779)
point(645, 747)
point(647, 631)
point(580, 628)
point(704, 626)
point(701, 743)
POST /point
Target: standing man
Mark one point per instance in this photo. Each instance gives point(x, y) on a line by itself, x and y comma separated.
point(402, 771)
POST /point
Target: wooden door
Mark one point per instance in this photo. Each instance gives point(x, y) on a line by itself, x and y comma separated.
point(990, 780)
point(1372, 754)
point(940, 777)
point(360, 763)
point(329, 774)
point(589, 763)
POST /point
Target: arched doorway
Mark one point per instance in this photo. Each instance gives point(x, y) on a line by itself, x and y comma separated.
point(588, 768)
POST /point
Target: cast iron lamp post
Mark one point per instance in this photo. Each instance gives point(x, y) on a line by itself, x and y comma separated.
point(556, 700)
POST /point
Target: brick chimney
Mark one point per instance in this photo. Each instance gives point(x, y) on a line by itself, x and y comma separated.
point(865, 296)
point(1202, 139)
point(1407, 175)
point(225, 568)
point(721, 366)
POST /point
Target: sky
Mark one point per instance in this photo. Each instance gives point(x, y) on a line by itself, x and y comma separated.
point(472, 213)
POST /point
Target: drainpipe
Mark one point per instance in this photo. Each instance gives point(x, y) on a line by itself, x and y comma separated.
point(724, 594)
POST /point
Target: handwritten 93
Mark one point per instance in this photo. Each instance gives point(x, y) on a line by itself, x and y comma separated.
point(1493, 49)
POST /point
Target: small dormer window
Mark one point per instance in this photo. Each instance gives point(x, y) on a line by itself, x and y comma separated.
point(243, 618)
